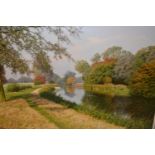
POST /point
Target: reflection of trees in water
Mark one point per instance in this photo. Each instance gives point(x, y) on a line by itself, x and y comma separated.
point(138, 108)
point(106, 102)
point(70, 91)
point(141, 108)
point(98, 102)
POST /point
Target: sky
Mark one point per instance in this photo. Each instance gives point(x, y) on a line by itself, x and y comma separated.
point(98, 39)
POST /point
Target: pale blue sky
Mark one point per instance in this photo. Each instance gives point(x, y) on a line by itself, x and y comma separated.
point(97, 39)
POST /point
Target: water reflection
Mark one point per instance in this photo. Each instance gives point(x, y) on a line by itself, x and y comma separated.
point(125, 107)
point(107, 103)
point(71, 94)
point(70, 91)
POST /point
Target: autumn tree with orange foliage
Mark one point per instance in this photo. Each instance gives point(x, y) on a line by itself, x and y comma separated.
point(143, 81)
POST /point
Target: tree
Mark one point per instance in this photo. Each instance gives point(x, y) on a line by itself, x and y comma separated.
point(2, 79)
point(143, 56)
point(42, 65)
point(123, 68)
point(16, 40)
point(96, 58)
point(82, 67)
point(114, 52)
point(99, 72)
point(68, 77)
point(39, 79)
point(143, 80)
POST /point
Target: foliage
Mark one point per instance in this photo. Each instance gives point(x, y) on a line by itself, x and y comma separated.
point(42, 65)
point(144, 55)
point(82, 66)
point(15, 87)
point(108, 89)
point(19, 39)
point(39, 79)
point(31, 39)
point(96, 58)
point(114, 52)
point(123, 68)
point(47, 87)
point(98, 72)
point(107, 79)
point(143, 80)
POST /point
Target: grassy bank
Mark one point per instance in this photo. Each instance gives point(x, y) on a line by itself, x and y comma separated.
point(17, 114)
point(108, 89)
point(111, 118)
point(47, 92)
point(21, 94)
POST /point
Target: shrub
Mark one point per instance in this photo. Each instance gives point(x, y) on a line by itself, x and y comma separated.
point(39, 79)
point(14, 87)
point(107, 79)
point(47, 88)
point(143, 81)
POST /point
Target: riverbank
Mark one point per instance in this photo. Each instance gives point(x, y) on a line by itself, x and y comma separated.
point(108, 89)
point(98, 113)
point(17, 114)
point(25, 109)
point(67, 118)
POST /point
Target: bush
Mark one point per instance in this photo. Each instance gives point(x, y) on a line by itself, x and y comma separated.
point(107, 79)
point(143, 81)
point(39, 79)
point(14, 87)
point(47, 88)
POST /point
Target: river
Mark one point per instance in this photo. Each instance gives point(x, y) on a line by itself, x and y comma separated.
point(128, 108)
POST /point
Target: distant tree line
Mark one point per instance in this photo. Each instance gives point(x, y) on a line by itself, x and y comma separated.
point(118, 66)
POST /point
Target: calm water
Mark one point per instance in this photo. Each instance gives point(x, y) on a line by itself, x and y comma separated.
point(125, 107)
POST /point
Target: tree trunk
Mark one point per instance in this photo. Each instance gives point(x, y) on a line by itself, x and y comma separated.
point(2, 93)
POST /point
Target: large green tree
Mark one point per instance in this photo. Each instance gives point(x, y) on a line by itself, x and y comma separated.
point(114, 52)
point(143, 56)
point(83, 67)
point(14, 41)
point(123, 68)
point(99, 72)
point(96, 58)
